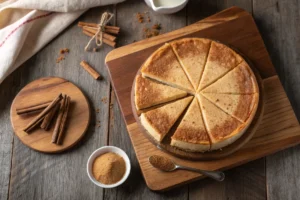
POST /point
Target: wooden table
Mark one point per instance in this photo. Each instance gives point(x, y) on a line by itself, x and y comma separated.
point(27, 174)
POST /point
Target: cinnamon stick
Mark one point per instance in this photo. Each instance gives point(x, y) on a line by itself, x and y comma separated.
point(59, 119)
point(32, 108)
point(63, 121)
point(106, 41)
point(90, 70)
point(109, 37)
point(49, 118)
point(105, 35)
point(113, 27)
point(82, 24)
point(40, 117)
point(113, 31)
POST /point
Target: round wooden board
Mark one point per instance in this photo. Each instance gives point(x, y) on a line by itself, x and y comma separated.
point(46, 89)
point(210, 155)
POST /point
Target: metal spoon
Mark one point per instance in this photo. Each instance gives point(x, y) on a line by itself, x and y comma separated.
point(171, 166)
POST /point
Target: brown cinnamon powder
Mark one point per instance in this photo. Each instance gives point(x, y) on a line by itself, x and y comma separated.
point(104, 100)
point(60, 58)
point(154, 31)
point(156, 26)
point(62, 53)
point(140, 17)
point(161, 163)
point(151, 31)
point(109, 168)
point(64, 50)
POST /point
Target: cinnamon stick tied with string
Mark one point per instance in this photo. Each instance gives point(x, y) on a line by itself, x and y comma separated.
point(100, 32)
point(90, 70)
point(49, 118)
point(32, 108)
point(41, 116)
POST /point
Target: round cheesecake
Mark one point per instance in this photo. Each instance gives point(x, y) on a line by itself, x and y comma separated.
point(200, 88)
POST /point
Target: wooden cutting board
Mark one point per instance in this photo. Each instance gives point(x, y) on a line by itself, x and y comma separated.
point(279, 127)
point(45, 90)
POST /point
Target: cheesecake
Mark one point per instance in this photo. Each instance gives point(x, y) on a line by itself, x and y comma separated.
point(159, 121)
point(240, 106)
point(240, 80)
point(222, 88)
point(192, 54)
point(191, 134)
point(223, 129)
point(221, 59)
point(163, 66)
point(149, 93)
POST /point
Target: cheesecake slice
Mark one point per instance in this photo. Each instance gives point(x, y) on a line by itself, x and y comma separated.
point(222, 128)
point(159, 121)
point(191, 134)
point(150, 93)
point(164, 67)
point(240, 80)
point(220, 60)
point(240, 106)
point(192, 54)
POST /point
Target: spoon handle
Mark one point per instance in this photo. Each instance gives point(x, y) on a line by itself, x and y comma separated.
point(217, 175)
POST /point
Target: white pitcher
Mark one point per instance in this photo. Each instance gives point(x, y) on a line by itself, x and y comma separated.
point(166, 6)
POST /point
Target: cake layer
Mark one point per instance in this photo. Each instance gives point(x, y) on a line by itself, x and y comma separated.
point(159, 121)
point(164, 67)
point(222, 128)
point(192, 54)
point(150, 93)
point(221, 59)
point(241, 106)
point(191, 130)
point(240, 80)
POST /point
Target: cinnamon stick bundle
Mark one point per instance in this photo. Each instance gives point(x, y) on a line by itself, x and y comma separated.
point(49, 118)
point(41, 116)
point(91, 29)
point(59, 119)
point(32, 108)
point(63, 121)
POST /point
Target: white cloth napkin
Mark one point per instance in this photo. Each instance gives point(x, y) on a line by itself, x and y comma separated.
point(27, 25)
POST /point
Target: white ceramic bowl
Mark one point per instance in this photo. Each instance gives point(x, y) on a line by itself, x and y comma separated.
point(166, 10)
point(104, 150)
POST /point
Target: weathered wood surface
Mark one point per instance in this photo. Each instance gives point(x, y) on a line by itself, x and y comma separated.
point(278, 22)
point(26, 174)
point(63, 176)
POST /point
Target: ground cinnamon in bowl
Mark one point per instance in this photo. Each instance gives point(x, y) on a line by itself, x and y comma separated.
point(109, 168)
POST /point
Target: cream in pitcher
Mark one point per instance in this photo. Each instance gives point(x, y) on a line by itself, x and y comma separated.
point(166, 6)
